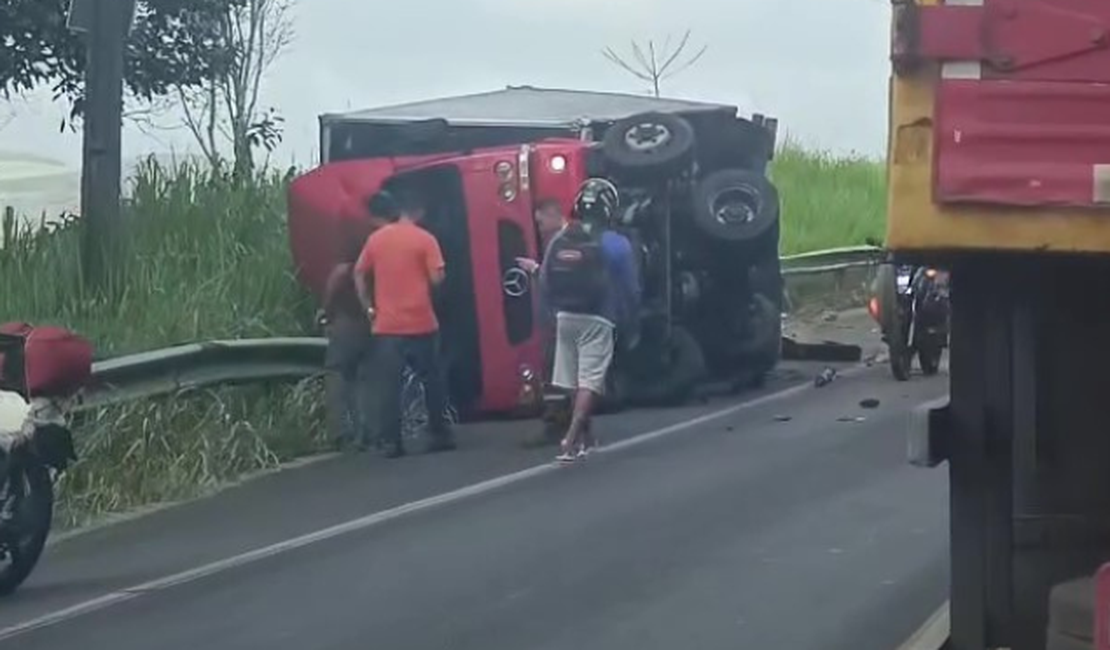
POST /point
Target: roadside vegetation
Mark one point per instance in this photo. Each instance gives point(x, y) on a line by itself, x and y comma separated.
point(828, 201)
point(208, 258)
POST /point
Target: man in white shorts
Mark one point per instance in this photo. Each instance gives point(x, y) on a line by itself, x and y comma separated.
point(590, 281)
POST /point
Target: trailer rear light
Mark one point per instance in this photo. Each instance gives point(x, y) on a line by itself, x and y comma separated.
point(558, 164)
point(873, 308)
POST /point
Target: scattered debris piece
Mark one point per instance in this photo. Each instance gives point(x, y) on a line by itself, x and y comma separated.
point(783, 418)
point(827, 376)
point(828, 351)
point(849, 418)
point(870, 403)
point(831, 317)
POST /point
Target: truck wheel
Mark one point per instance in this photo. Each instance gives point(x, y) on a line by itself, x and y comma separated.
point(901, 362)
point(886, 292)
point(687, 366)
point(764, 342)
point(735, 205)
point(650, 142)
point(671, 383)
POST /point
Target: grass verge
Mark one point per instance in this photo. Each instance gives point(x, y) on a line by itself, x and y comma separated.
point(181, 447)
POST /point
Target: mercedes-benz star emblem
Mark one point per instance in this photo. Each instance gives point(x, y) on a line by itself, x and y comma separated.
point(515, 282)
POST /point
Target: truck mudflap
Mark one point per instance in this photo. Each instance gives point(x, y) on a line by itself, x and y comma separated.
point(930, 430)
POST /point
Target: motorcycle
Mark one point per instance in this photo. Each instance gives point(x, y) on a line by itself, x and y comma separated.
point(912, 307)
point(36, 446)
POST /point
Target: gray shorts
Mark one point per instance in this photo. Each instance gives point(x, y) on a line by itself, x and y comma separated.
point(583, 352)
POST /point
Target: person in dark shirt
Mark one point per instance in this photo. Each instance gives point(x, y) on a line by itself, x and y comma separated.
point(585, 333)
point(349, 345)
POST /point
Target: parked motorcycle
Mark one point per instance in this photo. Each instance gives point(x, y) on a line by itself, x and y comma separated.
point(912, 307)
point(36, 446)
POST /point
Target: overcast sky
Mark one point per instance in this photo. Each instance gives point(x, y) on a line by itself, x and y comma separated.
point(818, 65)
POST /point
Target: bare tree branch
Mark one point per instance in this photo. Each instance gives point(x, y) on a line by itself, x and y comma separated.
point(224, 114)
point(656, 64)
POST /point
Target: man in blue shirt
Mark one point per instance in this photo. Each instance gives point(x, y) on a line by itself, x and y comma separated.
point(590, 282)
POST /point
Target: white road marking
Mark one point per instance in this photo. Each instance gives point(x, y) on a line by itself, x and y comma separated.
point(933, 634)
point(250, 557)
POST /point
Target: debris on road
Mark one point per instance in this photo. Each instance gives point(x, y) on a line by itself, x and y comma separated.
point(828, 351)
point(783, 418)
point(827, 376)
point(869, 403)
point(854, 419)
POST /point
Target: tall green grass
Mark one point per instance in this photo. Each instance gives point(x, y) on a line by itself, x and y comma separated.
point(207, 257)
point(827, 200)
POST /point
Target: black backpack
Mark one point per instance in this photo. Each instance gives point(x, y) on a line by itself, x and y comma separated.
point(577, 280)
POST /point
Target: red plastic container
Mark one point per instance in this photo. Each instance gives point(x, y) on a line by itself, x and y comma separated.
point(58, 363)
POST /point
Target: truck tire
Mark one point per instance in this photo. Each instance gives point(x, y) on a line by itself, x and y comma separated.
point(735, 205)
point(886, 292)
point(687, 365)
point(901, 362)
point(683, 367)
point(658, 144)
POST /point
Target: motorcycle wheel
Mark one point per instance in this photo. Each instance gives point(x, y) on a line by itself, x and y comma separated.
point(22, 540)
point(929, 358)
point(901, 363)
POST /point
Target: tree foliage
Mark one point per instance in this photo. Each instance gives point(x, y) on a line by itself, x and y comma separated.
point(225, 108)
point(174, 43)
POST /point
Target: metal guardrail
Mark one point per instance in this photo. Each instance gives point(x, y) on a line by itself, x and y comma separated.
point(833, 259)
point(199, 365)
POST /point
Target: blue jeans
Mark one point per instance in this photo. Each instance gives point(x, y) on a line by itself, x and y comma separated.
point(421, 355)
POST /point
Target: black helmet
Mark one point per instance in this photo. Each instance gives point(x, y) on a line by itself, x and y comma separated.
point(597, 201)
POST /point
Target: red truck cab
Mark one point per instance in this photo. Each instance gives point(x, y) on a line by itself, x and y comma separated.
point(481, 209)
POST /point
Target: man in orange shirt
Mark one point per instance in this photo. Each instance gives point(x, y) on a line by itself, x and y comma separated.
point(400, 266)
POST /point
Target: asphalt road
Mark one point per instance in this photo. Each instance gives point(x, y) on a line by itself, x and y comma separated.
point(790, 523)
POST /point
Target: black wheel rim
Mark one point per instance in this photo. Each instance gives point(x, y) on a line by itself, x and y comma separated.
point(647, 136)
point(736, 206)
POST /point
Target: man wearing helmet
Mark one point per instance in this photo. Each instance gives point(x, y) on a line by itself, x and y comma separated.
point(590, 282)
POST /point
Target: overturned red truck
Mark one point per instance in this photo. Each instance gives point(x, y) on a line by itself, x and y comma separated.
point(695, 201)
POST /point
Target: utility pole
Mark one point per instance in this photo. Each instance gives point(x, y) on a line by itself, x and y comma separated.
point(105, 25)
